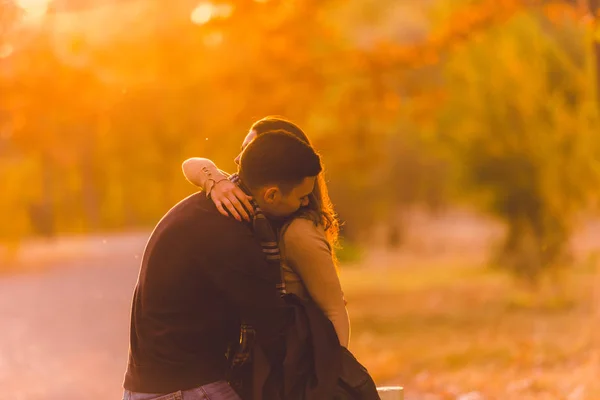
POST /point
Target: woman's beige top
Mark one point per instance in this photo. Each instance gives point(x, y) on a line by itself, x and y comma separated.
point(308, 267)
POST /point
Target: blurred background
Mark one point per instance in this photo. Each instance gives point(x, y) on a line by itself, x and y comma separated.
point(461, 140)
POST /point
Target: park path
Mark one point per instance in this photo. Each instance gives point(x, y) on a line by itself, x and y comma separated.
point(64, 329)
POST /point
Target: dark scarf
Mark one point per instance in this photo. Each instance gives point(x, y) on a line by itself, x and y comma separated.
point(240, 353)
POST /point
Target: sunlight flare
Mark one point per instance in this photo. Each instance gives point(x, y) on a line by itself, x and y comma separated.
point(206, 11)
point(34, 10)
point(5, 50)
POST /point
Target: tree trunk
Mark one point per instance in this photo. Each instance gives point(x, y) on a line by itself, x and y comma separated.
point(594, 9)
point(42, 212)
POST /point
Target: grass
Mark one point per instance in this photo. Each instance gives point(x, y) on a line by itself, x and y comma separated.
point(443, 328)
point(448, 329)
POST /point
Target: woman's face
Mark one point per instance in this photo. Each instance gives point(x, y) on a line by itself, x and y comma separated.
point(249, 137)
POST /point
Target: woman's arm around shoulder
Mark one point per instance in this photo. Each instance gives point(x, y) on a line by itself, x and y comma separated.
point(229, 199)
point(202, 172)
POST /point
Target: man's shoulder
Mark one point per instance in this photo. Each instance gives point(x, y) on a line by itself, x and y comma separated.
point(201, 212)
point(192, 211)
point(195, 206)
point(193, 200)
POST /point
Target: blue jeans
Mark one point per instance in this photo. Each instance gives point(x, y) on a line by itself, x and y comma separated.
point(219, 390)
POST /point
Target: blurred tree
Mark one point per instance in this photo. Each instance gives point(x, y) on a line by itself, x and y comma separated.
point(9, 15)
point(525, 132)
point(103, 103)
point(594, 10)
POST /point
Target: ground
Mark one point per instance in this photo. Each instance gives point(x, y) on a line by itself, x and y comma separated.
point(64, 329)
point(433, 318)
point(451, 330)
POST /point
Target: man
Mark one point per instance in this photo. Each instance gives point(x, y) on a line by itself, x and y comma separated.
point(202, 273)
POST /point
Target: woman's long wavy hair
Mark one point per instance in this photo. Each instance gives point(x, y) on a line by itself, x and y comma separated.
point(320, 207)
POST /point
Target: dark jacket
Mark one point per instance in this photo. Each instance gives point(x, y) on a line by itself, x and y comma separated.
point(316, 367)
point(201, 273)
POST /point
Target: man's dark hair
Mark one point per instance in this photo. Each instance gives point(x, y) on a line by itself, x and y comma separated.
point(280, 158)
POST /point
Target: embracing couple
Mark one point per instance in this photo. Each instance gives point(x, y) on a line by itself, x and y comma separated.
point(238, 295)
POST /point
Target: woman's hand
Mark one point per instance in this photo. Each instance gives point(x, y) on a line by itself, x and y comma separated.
point(227, 196)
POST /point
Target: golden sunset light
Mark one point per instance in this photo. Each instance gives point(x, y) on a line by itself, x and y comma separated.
point(34, 10)
point(422, 176)
point(206, 11)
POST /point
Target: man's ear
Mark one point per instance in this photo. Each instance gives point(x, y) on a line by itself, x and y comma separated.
point(272, 194)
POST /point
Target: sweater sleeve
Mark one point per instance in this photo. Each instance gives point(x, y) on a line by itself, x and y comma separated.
point(202, 172)
point(308, 253)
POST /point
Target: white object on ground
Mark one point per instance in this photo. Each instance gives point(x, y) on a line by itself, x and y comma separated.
point(391, 392)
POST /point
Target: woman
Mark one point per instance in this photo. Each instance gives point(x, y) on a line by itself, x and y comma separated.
point(307, 240)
